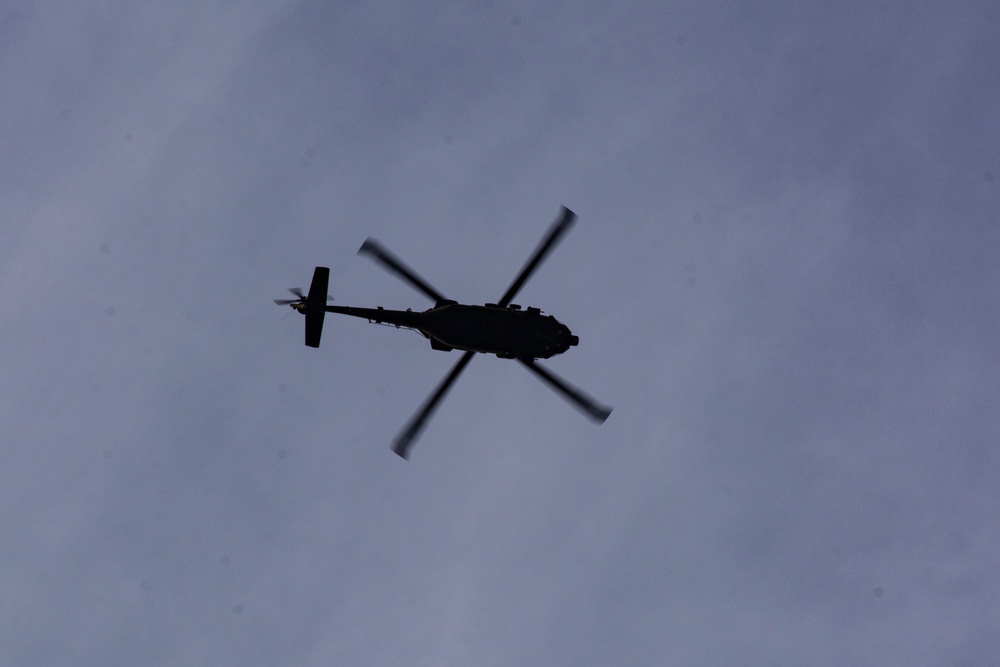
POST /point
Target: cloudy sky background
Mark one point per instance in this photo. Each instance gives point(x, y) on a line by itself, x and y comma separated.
point(784, 278)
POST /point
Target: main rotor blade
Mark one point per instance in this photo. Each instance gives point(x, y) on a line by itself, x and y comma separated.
point(555, 232)
point(405, 439)
point(593, 410)
point(380, 254)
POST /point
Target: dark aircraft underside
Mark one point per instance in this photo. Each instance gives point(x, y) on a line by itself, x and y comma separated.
point(509, 333)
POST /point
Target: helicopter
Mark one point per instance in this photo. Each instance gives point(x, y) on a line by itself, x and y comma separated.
point(502, 328)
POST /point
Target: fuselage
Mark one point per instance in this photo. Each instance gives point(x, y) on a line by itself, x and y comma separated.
point(509, 332)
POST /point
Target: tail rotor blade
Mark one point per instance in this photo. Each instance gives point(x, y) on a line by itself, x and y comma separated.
point(384, 257)
point(556, 231)
point(585, 403)
point(406, 438)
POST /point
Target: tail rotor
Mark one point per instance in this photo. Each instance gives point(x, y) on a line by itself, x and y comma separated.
point(291, 302)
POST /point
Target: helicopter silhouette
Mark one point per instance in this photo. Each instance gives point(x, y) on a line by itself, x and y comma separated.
point(500, 328)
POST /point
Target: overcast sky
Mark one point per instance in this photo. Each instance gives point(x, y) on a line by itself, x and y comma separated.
point(784, 278)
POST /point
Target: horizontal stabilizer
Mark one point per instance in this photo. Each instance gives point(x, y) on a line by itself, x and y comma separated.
point(315, 310)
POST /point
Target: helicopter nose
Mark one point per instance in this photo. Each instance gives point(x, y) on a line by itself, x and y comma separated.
point(570, 339)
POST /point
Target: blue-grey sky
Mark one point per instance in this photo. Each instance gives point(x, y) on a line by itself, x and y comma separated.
point(784, 279)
